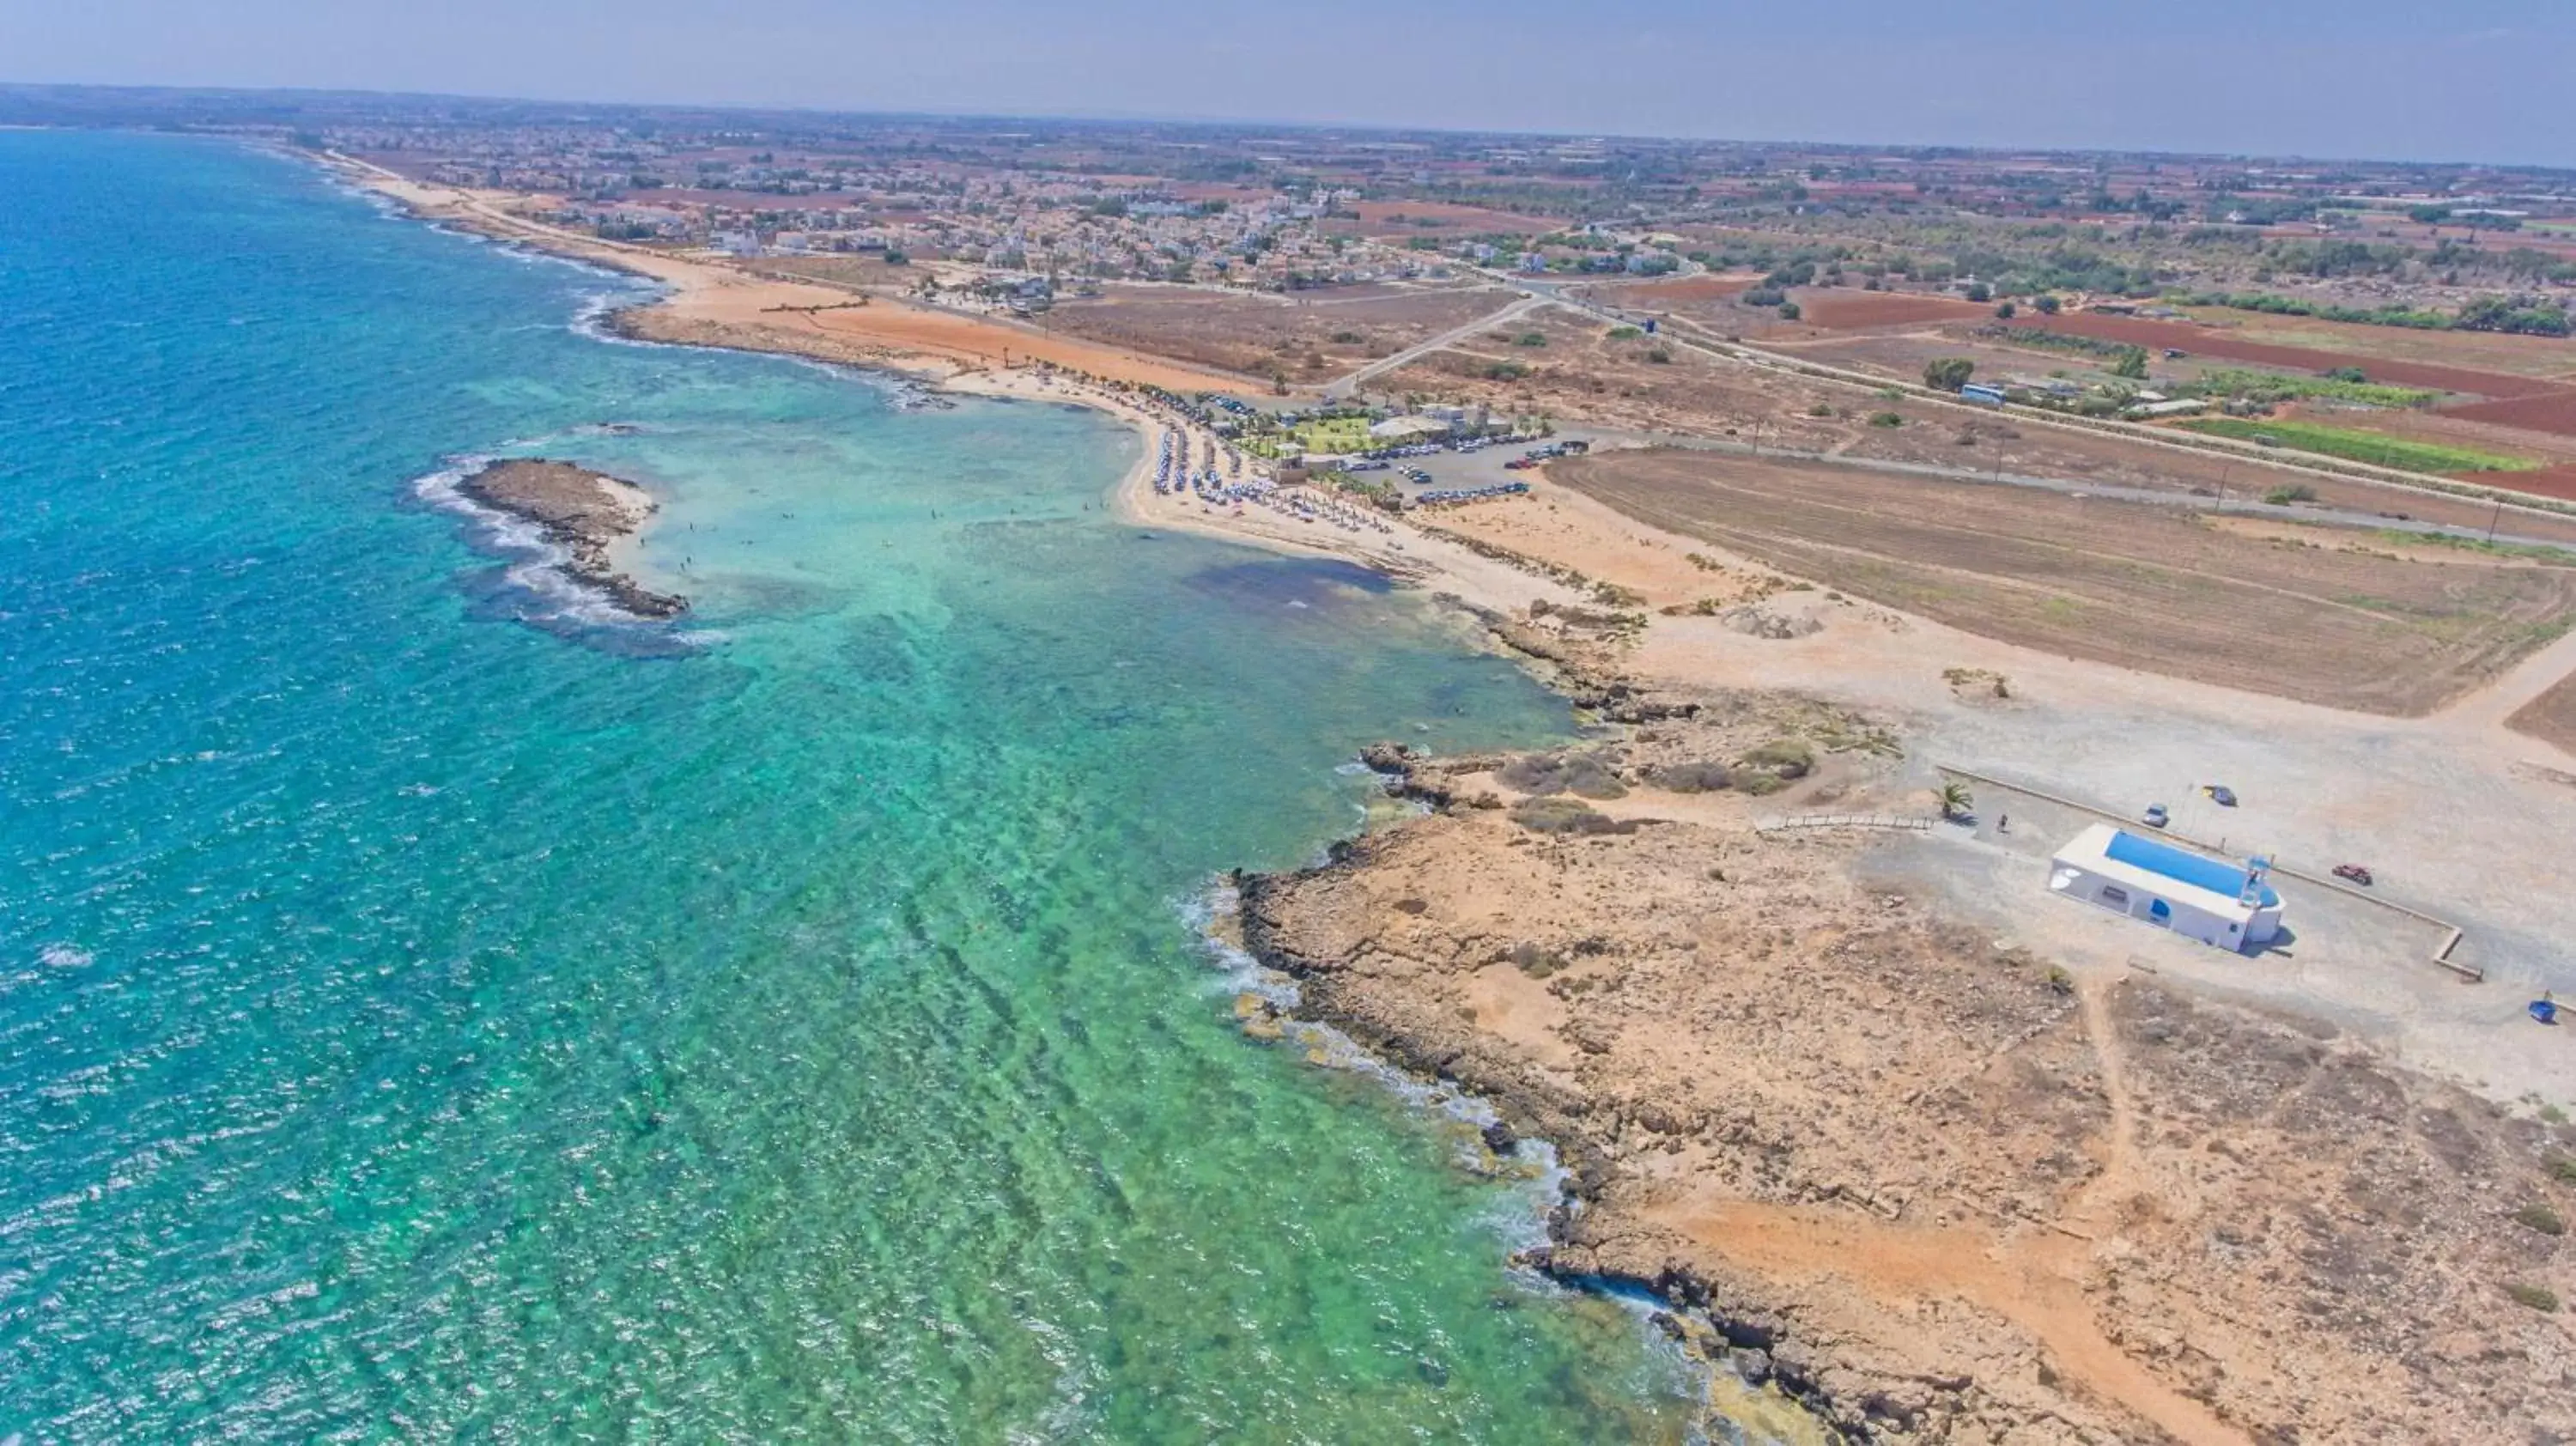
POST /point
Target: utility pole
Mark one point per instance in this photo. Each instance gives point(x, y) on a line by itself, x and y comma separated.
point(2496, 519)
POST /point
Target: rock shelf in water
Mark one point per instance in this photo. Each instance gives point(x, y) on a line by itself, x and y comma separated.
point(583, 512)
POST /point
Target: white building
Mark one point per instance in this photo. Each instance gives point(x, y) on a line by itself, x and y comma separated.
point(2219, 903)
point(1408, 429)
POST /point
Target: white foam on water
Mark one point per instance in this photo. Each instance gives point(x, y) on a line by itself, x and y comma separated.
point(536, 566)
point(65, 956)
point(1536, 1180)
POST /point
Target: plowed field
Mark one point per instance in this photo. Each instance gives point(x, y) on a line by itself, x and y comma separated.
point(2210, 341)
point(1850, 310)
point(2123, 583)
point(2553, 412)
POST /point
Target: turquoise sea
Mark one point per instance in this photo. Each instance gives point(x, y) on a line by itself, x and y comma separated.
point(429, 1013)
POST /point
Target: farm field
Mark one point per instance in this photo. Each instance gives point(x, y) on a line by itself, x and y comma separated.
point(1433, 218)
point(2233, 344)
point(1654, 295)
point(2529, 356)
point(2553, 412)
point(2376, 448)
point(1844, 309)
point(1900, 355)
point(2557, 481)
point(2129, 584)
point(2447, 427)
point(1582, 375)
point(1310, 336)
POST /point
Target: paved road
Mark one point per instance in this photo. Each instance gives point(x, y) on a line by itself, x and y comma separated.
point(1520, 306)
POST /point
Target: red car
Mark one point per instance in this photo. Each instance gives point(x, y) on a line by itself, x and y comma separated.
point(2355, 872)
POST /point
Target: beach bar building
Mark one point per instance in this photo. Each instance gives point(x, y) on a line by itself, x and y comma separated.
point(2225, 905)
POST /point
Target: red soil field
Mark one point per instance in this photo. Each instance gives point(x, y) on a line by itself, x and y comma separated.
point(2209, 341)
point(2558, 482)
point(1847, 310)
point(2546, 412)
point(1689, 288)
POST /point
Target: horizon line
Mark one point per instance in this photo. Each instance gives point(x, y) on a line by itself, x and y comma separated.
point(1124, 118)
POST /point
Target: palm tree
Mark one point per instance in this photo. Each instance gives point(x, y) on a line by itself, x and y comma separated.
point(1956, 800)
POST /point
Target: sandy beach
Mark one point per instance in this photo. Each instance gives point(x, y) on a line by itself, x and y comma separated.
point(714, 303)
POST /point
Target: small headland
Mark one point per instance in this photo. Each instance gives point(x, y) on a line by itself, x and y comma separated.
point(1935, 1181)
point(585, 513)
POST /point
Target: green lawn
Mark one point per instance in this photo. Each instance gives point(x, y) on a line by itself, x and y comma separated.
point(1335, 434)
point(2359, 446)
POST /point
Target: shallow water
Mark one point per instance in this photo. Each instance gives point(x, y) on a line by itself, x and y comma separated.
point(429, 1011)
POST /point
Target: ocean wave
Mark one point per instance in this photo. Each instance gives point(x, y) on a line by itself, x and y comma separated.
point(590, 319)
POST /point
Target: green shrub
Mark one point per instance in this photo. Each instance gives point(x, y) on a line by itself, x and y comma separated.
point(1530, 338)
point(1535, 960)
point(1787, 757)
point(2295, 492)
point(1626, 333)
point(1566, 815)
point(2539, 1216)
point(1692, 777)
point(1789, 311)
point(2344, 384)
point(2539, 1297)
point(1885, 419)
point(2357, 446)
point(1659, 356)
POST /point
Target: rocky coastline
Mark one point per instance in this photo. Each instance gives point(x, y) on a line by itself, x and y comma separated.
point(1922, 1180)
point(586, 514)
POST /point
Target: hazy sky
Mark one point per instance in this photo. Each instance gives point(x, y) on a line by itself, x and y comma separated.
point(2451, 79)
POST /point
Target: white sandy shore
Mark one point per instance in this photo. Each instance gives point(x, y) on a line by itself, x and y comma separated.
point(712, 303)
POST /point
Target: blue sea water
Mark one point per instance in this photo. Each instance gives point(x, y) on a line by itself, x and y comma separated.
point(428, 1013)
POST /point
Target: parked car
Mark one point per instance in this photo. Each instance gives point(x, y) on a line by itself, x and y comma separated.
point(2354, 872)
point(2156, 817)
point(2221, 794)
